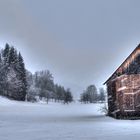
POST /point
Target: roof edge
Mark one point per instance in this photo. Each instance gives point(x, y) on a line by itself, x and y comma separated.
point(138, 46)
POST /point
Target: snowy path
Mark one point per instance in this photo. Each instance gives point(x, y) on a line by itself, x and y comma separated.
point(26, 121)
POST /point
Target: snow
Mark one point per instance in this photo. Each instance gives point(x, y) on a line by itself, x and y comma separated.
point(55, 121)
point(5, 102)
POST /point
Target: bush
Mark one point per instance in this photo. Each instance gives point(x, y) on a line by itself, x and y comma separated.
point(104, 109)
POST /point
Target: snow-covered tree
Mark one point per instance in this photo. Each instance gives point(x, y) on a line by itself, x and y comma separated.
point(21, 75)
point(5, 54)
point(44, 81)
point(19, 84)
point(12, 74)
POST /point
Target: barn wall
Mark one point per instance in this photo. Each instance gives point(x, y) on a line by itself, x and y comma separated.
point(127, 93)
point(111, 89)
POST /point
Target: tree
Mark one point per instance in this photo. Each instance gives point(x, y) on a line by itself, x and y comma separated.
point(21, 75)
point(4, 68)
point(58, 93)
point(89, 95)
point(44, 82)
point(12, 58)
point(5, 53)
point(14, 86)
point(102, 94)
point(84, 97)
point(12, 74)
point(17, 83)
point(68, 96)
point(29, 79)
point(92, 93)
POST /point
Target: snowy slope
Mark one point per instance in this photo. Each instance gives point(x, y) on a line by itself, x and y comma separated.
point(5, 101)
point(27, 121)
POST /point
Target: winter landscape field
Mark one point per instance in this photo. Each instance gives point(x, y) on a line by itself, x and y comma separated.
point(39, 121)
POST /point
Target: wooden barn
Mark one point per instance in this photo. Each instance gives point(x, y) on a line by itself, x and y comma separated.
point(123, 88)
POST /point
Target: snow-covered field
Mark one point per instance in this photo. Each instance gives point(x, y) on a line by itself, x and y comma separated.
point(27, 121)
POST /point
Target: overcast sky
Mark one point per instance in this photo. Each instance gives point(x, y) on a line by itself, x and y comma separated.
point(81, 42)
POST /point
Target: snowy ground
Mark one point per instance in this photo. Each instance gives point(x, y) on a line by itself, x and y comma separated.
point(27, 121)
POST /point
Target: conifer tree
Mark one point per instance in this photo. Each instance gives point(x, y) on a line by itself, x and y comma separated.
point(12, 74)
point(5, 53)
point(21, 75)
point(12, 58)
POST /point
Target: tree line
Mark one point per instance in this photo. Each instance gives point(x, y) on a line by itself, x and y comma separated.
point(91, 95)
point(41, 86)
point(17, 83)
